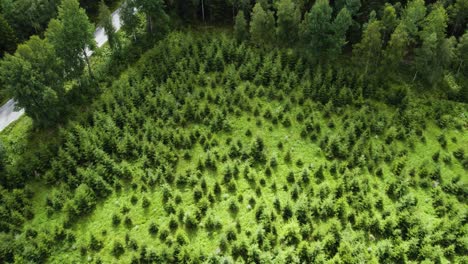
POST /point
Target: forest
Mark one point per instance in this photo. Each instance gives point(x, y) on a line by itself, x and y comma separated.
point(239, 131)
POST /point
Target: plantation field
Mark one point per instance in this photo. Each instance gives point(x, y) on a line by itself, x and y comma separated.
point(210, 151)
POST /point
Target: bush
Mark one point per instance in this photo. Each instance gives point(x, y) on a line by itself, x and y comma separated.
point(153, 229)
point(83, 201)
point(117, 249)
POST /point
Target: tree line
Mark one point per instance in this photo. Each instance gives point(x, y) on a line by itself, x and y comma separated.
point(411, 38)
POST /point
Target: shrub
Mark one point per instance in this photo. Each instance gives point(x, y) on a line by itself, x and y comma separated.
point(115, 220)
point(153, 229)
point(145, 203)
point(290, 178)
point(94, 243)
point(128, 222)
point(233, 207)
point(190, 220)
point(287, 212)
point(117, 249)
point(83, 201)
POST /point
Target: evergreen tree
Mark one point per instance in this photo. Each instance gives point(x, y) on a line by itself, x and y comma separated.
point(72, 35)
point(462, 54)
point(241, 31)
point(262, 26)
point(397, 48)
point(341, 25)
point(317, 27)
point(367, 52)
point(289, 18)
point(7, 37)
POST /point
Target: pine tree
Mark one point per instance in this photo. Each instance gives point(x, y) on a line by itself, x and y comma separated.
point(241, 31)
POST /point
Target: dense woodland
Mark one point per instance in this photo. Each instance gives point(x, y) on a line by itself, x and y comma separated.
point(214, 131)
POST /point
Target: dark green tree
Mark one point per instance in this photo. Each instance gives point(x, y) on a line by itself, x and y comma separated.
point(289, 18)
point(262, 26)
point(367, 53)
point(340, 25)
point(462, 54)
point(129, 18)
point(157, 21)
point(317, 28)
point(241, 31)
point(105, 21)
point(7, 37)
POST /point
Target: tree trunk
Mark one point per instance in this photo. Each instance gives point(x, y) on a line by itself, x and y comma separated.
point(459, 67)
point(203, 10)
point(415, 74)
point(88, 64)
point(149, 25)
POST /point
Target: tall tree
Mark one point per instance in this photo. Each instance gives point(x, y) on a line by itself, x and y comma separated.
point(129, 18)
point(33, 77)
point(397, 47)
point(413, 16)
point(262, 25)
point(389, 20)
point(72, 35)
point(458, 16)
point(341, 25)
point(105, 21)
point(289, 18)
point(7, 37)
point(157, 21)
point(241, 31)
point(367, 52)
point(322, 36)
point(436, 51)
point(317, 27)
point(462, 54)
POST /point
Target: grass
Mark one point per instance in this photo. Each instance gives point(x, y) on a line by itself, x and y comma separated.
point(353, 214)
point(202, 242)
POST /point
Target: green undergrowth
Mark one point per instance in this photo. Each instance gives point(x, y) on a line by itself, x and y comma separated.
point(208, 151)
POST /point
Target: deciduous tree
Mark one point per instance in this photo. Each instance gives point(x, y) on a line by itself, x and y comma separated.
point(129, 18)
point(72, 36)
point(33, 77)
point(367, 52)
point(105, 21)
point(157, 21)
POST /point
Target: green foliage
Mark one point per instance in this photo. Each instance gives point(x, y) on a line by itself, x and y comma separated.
point(7, 38)
point(33, 77)
point(321, 176)
point(241, 31)
point(287, 22)
point(105, 20)
point(71, 34)
point(82, 203)
point(262, 26)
